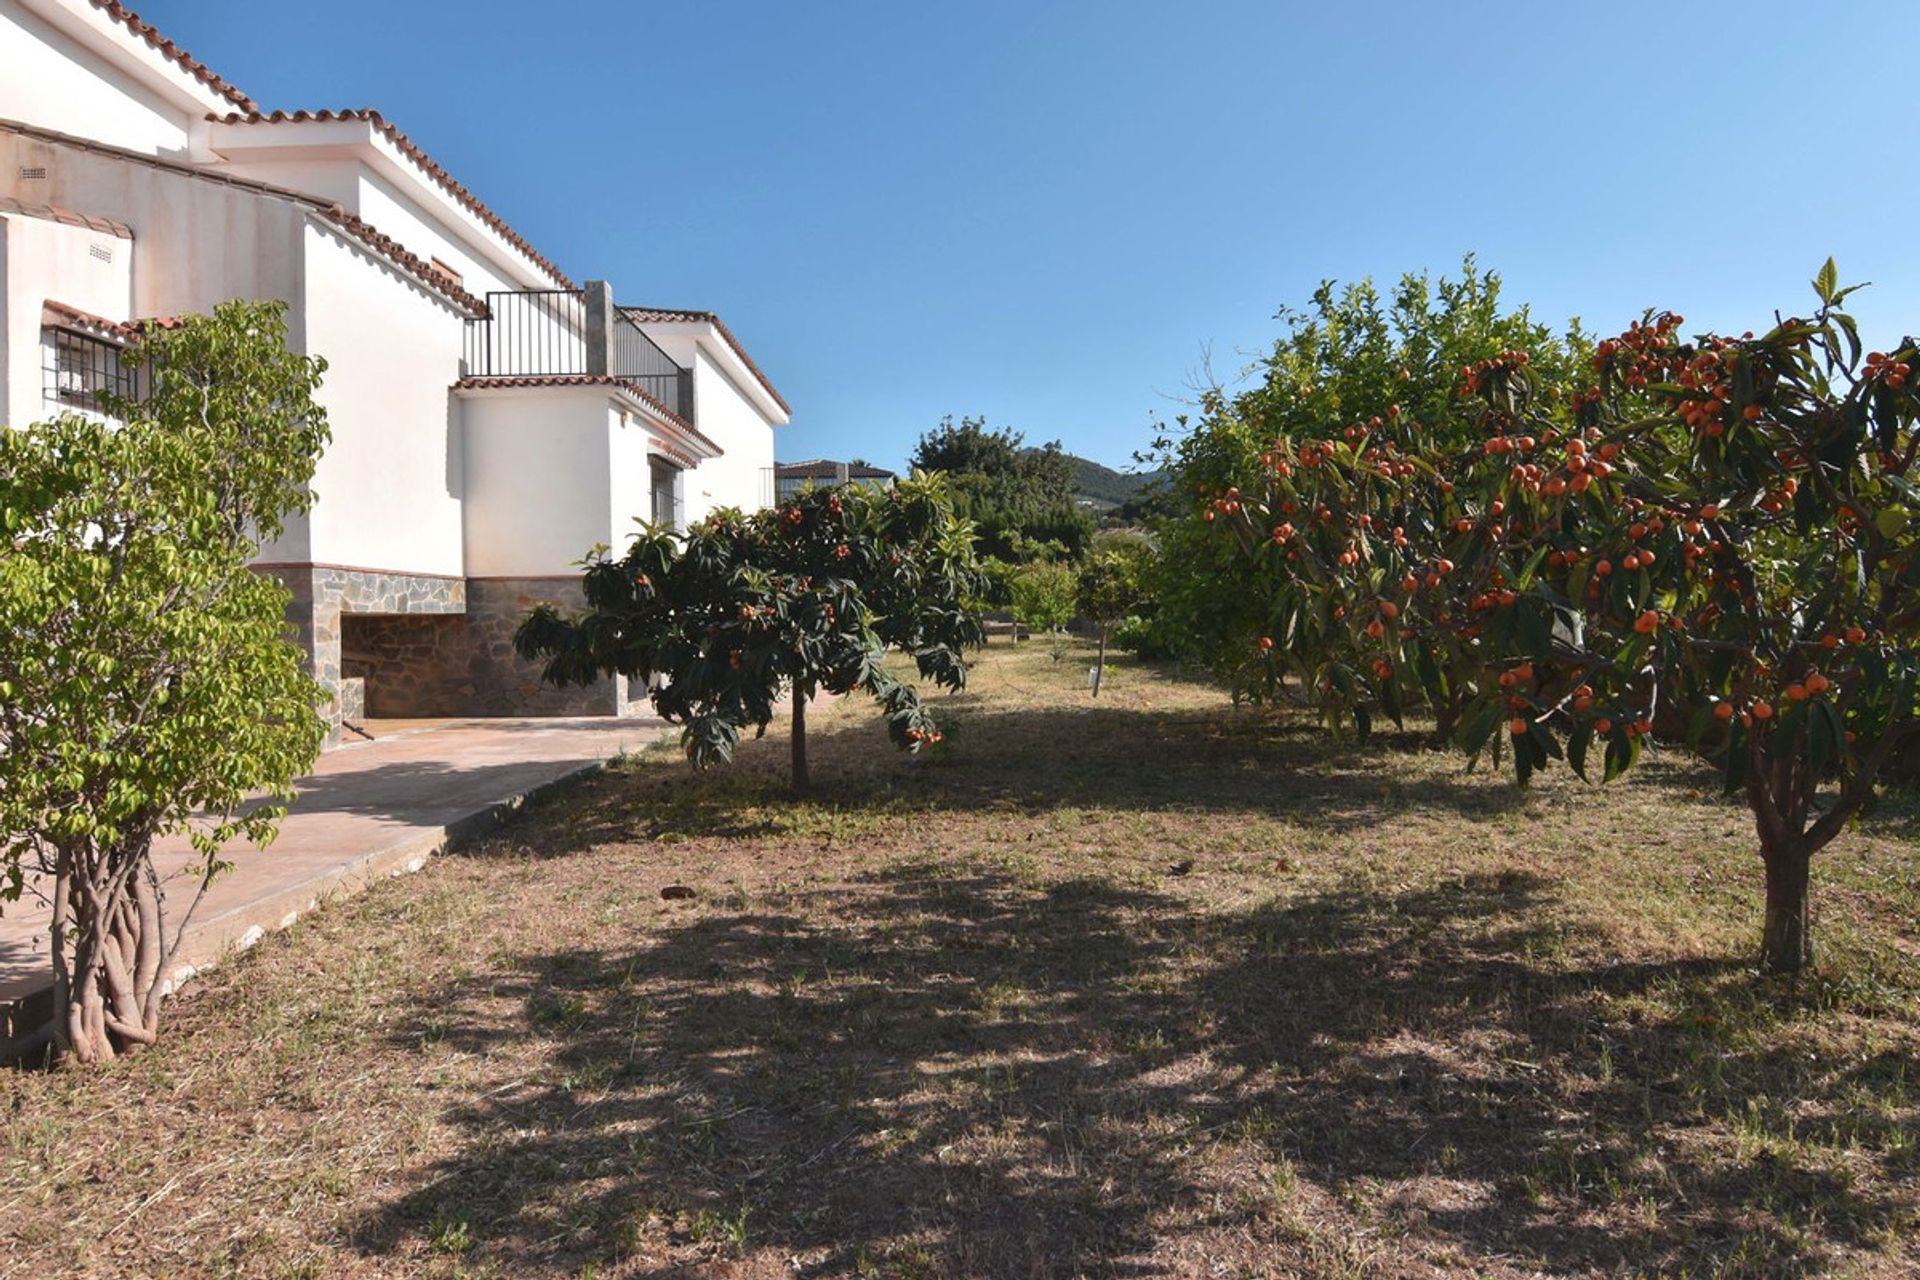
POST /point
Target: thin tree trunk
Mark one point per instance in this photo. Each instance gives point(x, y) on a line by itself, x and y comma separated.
point(801, 781)
point(1786, 944)
point(62, 975)
point(1100, 663)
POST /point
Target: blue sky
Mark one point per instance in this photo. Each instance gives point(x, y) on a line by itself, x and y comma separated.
point(1052, 214)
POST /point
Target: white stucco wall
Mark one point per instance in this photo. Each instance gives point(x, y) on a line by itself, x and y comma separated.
point(335, 172)
point(40, 261)
point(49, 79)
point(536, 479)
point(385, 206)
point(741, 475)
point(197, 242)
point(629, 477)
point(388, 489)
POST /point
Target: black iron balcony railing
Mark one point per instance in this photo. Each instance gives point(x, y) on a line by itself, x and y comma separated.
point(546, 333)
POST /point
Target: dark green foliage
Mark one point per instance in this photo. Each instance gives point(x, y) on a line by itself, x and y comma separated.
point(1350, 357)
point(1009, 491)
point(804, 598)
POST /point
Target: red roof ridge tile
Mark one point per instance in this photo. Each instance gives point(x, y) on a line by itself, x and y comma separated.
point(413, 151)
point(187, 62)
point(672, 314)
point(124, 330)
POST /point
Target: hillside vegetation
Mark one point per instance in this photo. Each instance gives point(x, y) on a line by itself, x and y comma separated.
point(1101, 485)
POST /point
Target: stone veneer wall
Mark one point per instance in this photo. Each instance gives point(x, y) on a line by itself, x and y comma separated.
point(322, 593)
point(405, 645)
point(466, 666)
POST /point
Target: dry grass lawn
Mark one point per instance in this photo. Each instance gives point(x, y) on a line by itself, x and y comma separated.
point(1153, 987)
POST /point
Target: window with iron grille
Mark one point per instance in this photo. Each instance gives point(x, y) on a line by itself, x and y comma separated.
point(81, 370)
point(664, 485)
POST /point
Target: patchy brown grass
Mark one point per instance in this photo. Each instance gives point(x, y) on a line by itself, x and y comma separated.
point(975, 1015)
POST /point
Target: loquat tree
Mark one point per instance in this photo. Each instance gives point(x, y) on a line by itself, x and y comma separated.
point(1712, 538)
point(805, 598)
point(1373, 363)
point(1111, 584)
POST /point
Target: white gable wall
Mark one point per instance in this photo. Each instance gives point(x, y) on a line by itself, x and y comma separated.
point(382, 204)
point(42, 260)
point(197, 242)
point(742, 476)
point(48, 78)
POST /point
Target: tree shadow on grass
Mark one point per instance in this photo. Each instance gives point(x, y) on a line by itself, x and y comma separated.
point(924, 1072)
point(1039, 761)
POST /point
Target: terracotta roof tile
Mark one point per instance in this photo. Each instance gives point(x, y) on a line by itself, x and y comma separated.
point(191, 65)
point(60, 315)
point(412, 151)
point(590, 380)
point(54, 213)
point(350, 224)
point(424, 270)
point(670, 315)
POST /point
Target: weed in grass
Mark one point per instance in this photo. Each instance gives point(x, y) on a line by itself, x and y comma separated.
point(450, 1235)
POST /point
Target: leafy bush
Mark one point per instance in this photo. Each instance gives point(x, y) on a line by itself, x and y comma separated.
point(146, 683)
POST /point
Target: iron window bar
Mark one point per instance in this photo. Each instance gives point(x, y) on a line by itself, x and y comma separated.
point(83, 372)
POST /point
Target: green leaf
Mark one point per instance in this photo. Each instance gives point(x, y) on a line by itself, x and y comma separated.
point(1577, 744)
point(1826, 736)
point(1827, 282)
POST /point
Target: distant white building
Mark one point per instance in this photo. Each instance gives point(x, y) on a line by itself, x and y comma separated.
point(492, 418)
point(789, 478)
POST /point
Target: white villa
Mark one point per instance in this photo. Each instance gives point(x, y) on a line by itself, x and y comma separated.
point(492, 418)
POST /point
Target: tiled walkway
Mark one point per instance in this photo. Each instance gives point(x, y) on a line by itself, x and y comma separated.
point(369, 809)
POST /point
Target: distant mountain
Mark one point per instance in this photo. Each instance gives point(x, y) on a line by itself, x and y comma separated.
point(1101, 487)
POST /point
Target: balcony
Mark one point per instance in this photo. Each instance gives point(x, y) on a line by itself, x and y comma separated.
point(566, 333)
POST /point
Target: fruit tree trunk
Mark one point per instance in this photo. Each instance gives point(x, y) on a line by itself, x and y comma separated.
point(800, 778)
point(1786, 944)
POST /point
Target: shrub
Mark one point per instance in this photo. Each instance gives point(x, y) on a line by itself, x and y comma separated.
point(146, 683)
